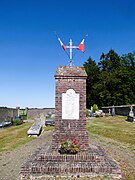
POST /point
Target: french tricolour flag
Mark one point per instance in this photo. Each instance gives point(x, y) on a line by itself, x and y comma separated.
point(62, 45)
point(81, 46)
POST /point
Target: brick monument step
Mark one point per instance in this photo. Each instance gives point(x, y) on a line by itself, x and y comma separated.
point(93, 161)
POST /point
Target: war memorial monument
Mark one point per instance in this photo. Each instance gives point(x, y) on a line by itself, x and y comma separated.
point(70, 154)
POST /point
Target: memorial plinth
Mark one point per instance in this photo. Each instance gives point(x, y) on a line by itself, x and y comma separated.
point(70, 106)
point(70, 123)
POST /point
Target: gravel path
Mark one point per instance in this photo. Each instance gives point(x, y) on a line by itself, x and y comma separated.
point(11, 161)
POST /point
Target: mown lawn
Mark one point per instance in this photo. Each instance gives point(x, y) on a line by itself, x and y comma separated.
point(15, 136)
point(115, 128)
point(117, 137)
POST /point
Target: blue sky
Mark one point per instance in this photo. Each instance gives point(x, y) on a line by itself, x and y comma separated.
point(30, 52)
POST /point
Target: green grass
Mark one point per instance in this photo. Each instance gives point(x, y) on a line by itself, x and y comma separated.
point(15, 136)
point(115, 128)
point(117, 137)
point(48, 128)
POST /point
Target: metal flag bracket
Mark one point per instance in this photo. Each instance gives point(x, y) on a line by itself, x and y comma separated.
point(71, 47)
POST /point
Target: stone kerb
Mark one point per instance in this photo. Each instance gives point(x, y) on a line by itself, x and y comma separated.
point(70, 81)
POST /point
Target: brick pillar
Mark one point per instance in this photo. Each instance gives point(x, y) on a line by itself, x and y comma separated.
point(73, 78)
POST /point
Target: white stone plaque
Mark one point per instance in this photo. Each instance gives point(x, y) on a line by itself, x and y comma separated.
point(70, 105)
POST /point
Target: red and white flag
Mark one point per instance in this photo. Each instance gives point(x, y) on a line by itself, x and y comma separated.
point(61, 43)
point(81, 46)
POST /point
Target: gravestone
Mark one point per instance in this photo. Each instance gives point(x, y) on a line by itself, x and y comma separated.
point(35, 129)
point(131, 113)
point(42, 119)
point(131, 116)
point(113, 111)
point(70, 106)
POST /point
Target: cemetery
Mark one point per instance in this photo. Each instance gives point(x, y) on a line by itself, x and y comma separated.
point(76, 147)
point(67, 118)
point(70, 141)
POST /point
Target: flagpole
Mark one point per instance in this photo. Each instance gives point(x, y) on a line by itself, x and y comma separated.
point(71, 51)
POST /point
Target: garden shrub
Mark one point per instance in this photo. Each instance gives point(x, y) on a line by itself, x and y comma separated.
point(17, 122)
point(95, 108)
point(86, 112)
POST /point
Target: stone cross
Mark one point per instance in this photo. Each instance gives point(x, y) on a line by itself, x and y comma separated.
point(131, 113)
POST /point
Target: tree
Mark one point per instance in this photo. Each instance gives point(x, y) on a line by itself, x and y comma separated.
point(92, 71)
point(110, 61)
point(112, 81)
point(128, 60)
